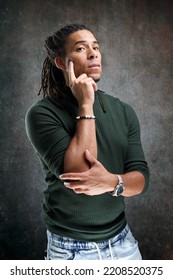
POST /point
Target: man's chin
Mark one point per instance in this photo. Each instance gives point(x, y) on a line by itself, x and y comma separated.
point(96, 78)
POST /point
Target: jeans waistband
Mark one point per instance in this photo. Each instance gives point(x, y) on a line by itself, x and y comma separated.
point(72, 244)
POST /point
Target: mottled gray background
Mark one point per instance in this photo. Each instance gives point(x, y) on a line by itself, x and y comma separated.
point(137, 44)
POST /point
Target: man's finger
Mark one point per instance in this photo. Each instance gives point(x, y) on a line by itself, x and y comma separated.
point(71, 74)
point(70, 176)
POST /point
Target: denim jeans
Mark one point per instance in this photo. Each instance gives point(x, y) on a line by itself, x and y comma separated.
point(122, 246)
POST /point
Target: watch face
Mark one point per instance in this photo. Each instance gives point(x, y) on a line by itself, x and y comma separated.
point(120, 189)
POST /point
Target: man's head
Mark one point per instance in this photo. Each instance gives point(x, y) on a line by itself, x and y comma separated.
point(73, 42)
point(83, 49)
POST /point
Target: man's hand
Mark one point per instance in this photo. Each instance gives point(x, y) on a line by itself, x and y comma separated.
point(83, 87)
point(97, 180)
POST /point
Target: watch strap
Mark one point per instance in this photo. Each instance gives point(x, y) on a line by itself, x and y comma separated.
point(119, 188)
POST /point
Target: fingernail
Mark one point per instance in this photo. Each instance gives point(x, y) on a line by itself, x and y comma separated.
point(66, 184)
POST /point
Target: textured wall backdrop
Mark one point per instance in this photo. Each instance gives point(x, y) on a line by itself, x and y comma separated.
point(137, 45)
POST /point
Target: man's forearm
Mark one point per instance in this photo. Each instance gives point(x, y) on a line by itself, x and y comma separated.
point(84, 138)
point(134, 183)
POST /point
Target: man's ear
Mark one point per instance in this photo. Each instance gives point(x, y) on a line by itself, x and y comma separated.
point(59, 62)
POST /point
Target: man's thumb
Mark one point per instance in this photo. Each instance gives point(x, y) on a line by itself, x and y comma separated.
point(90, 157)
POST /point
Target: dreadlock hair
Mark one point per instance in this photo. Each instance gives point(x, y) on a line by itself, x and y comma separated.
point(52, 79)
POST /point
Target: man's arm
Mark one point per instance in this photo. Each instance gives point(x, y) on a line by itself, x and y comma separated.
point(97, 180)
point(83, 89)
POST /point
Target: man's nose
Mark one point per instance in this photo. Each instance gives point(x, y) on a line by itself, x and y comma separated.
point(92, 53)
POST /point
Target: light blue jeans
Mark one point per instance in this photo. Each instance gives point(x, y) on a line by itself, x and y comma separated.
point(122, 246)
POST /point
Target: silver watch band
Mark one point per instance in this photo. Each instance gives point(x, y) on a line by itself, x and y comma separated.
point(119, 188)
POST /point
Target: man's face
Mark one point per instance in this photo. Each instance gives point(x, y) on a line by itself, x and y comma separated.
point(83, 49)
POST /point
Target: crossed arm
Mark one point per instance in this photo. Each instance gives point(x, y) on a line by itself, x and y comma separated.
point(97, 180)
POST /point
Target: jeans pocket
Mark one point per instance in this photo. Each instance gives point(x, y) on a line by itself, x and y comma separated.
point(126, 247)
point(130, 240)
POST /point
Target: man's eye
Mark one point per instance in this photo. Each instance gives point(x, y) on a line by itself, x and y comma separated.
point(80, 49)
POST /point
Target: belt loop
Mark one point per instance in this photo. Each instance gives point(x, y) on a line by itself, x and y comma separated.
point(98, 250)
point(110, 249)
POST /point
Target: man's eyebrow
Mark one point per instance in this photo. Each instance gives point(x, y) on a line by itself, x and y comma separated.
point(85, 41)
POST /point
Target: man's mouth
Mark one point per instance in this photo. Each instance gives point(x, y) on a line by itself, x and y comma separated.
point(94, 65)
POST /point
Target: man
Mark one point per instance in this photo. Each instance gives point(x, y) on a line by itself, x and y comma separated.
point(89, 145)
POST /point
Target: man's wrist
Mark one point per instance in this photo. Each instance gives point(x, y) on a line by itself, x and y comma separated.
point(86, 109)
point(119, 187)
point(113, 182)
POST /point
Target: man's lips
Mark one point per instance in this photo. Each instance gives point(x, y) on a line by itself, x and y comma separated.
point(94, 65)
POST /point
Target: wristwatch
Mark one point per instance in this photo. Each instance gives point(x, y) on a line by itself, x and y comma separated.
point(119, 187)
